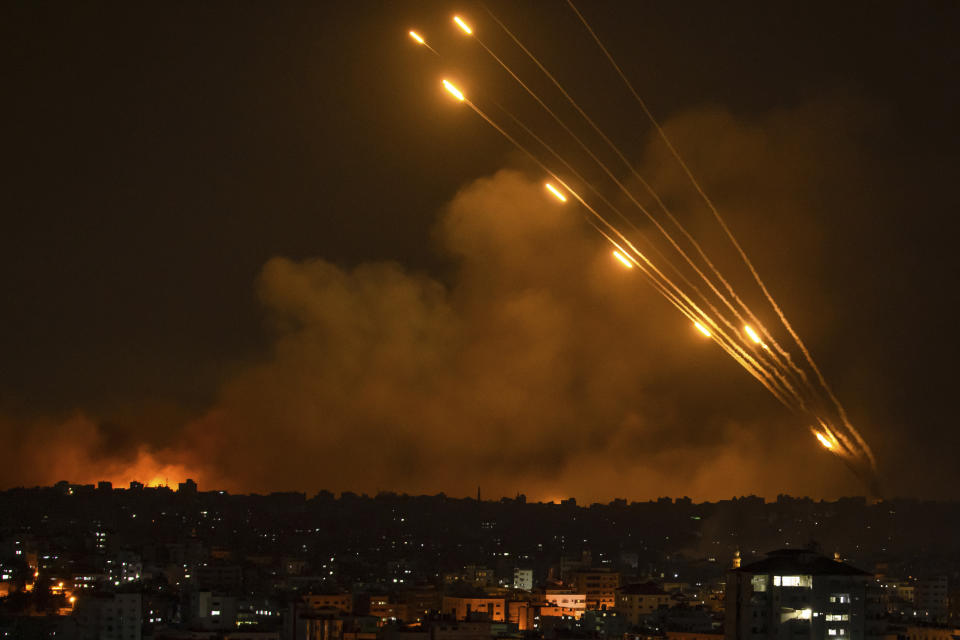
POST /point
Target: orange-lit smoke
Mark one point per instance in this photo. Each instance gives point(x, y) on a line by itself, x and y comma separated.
point(559, 379)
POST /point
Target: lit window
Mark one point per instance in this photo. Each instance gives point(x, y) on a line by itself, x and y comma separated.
point(840, 598)
point(759, 582)
point(837, 617)
point(793, 581)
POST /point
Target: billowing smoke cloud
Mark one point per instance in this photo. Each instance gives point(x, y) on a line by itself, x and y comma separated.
point(541, 367)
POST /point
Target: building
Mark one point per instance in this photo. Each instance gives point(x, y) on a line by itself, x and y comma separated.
point(124, 566)
point(478, 630)
point(599, 586)
point(343, 602)
point(211, 611)
point(635, 601)
point(523, 579)
point(795, 593)
point(566, 599)
point(222, 577)
point(109, 617)
point(386, 611)
point(493, 609)
point(930, 598)
point(420, 601)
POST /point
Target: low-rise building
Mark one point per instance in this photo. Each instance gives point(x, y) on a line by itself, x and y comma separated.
point(494, 609)
point(642, 599)
point(599, 586)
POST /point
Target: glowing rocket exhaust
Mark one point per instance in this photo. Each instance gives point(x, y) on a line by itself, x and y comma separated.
point(751, 333)
point(556, 192)
point(463, 25)
point(824, 440)
point(453, 90)
point(702, 329)
point(623, 260)
point(417, 37)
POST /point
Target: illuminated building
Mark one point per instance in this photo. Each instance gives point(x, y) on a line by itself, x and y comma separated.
point(523, 579)
point(795, 593)
point(123, 567)
point(465, 608)
point(385, 611)
point(638, 600)
point(576, 603)
point(600, 587)
point(212, 611)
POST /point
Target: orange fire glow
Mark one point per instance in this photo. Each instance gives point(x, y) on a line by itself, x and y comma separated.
point(151, 471)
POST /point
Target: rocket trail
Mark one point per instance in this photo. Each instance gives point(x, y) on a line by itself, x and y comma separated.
point(746, 343)
point(784, 383)
point(720, 220)
point(732, 348)
point(416, 37)
point(780, 379)
point(769, 377)
point(743, 255)
point(624, 189)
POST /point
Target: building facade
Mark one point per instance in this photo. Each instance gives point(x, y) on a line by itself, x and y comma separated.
point(795, 593)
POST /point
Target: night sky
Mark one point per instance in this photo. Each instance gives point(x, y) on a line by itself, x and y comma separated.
point(257, 245)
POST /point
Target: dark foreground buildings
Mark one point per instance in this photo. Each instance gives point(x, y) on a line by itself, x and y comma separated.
point(799, 593)
point(148, 563)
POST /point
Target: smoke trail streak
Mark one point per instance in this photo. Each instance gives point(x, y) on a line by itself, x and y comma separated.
point(420, 40)
point(775, 376)
point(739, 354)
point(627, 192)
point(730, 347)
point(733, 349)
point(783, 353)
point(783, 319)
point(723, 224)
point(699, 312)
point(782, 380)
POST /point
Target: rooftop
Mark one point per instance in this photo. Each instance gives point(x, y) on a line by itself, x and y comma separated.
point(800, 561)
